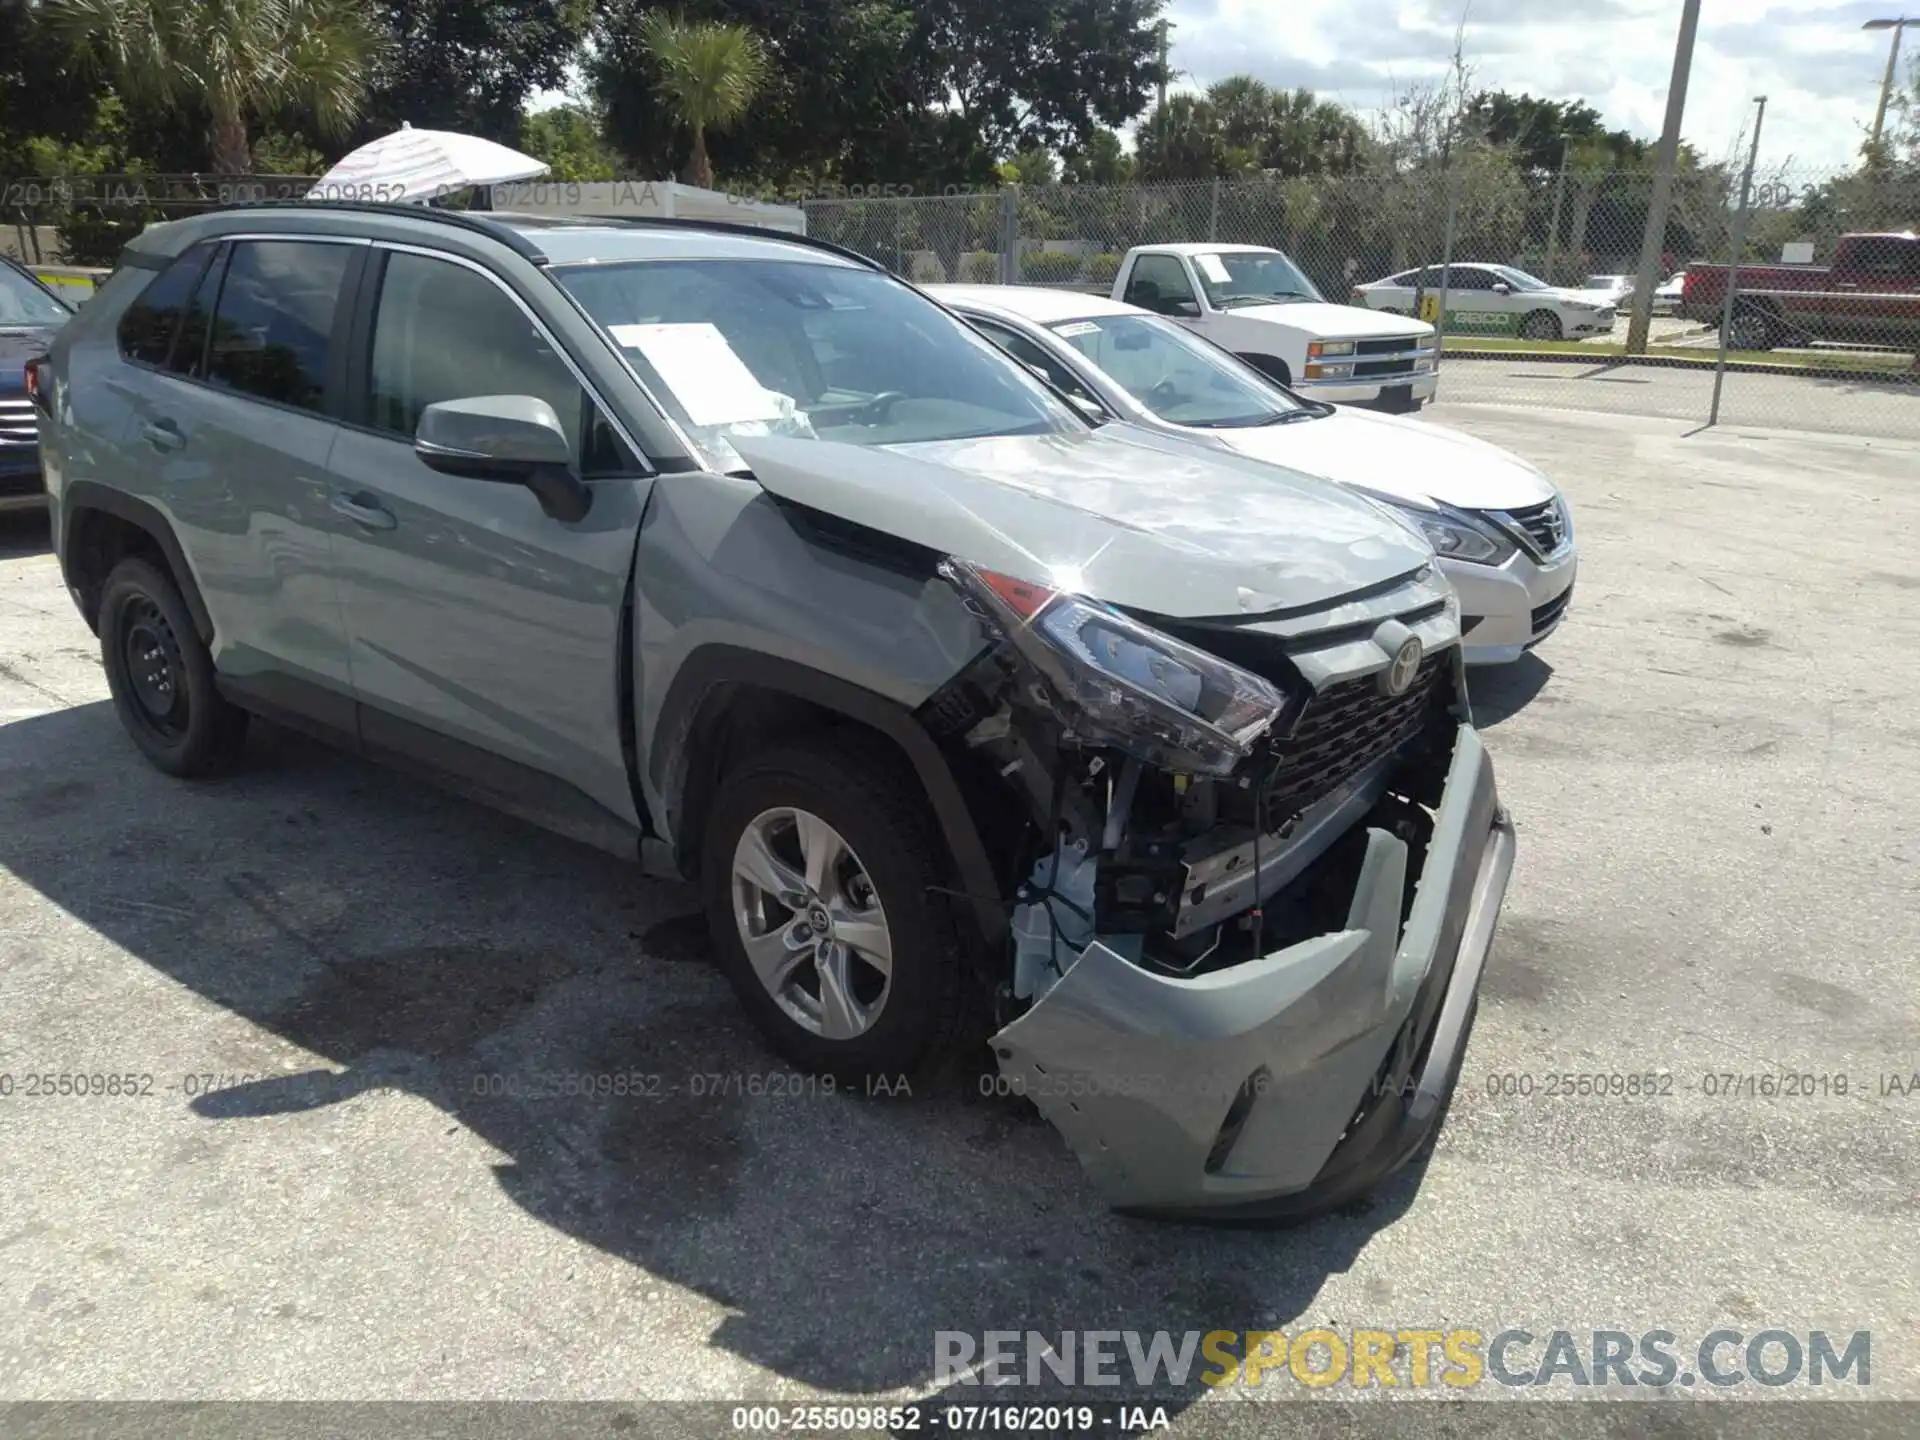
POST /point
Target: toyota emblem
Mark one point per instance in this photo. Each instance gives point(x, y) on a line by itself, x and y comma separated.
point(1397, 678)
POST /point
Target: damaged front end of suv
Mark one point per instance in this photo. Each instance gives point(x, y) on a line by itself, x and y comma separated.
point(1256, 865)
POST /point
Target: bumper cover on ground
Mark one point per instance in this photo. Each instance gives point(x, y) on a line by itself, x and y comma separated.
point(1294, 1081)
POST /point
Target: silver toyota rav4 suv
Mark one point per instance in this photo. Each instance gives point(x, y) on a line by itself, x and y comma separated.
point(973, 720)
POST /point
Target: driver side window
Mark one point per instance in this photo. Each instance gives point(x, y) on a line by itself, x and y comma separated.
point(1159, 282)
point(1030, 354)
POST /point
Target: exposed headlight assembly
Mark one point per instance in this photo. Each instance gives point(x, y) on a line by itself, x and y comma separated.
point(1126, 684)
point(1453, 534)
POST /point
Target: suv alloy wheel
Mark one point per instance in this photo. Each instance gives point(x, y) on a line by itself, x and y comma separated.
point(822, 876)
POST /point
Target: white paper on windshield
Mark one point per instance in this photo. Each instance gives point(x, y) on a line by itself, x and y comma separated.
point(705, 375)
point(1211, 267)
point(1078, 327)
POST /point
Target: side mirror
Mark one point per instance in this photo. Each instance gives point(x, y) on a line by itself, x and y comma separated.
point(1090, 409)
point(1500, 287)
point(509, 439)
point(1184, 309)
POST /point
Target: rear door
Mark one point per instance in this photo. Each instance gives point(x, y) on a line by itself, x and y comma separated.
point(233, 422)
point(486, 635)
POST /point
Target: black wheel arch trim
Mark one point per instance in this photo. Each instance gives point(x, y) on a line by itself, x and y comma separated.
point(79, 495)
point(712, 666)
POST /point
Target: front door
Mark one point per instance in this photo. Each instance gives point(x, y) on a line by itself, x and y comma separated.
point(481, 627)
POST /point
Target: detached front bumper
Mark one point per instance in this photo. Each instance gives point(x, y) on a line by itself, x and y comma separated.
point(1279, 1087)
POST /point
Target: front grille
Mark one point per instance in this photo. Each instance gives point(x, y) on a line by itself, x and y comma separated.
point(1383, 367)
point(1548, 615)
point(17, 426)
point(1344, 729)
point(24, 482)
point(1544, 525)
point(1392, 345)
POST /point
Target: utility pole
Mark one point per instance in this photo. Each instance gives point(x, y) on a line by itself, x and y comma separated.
point(1893, 64)
point(1655, 238)
point(1559, 193)
point(1733, 264)
point(1163, 64)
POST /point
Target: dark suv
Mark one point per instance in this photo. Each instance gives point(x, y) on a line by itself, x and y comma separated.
point(30, 316)
point(733, 553)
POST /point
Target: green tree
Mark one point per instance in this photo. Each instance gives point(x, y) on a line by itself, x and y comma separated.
point(470, 65)
point(895, 92)
point(708, 73)
point(239, 60)
point(569, 138)
point(1103, 160)
point(1181, 140)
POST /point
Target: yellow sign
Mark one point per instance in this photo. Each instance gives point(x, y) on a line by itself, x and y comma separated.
point(1430, 308)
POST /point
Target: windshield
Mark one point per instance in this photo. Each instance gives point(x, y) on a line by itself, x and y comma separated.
point(1178, 376)
point(1251, 277)
point(23, 302)
point(1519, 279)
point(1605, 282)
point(829, 352)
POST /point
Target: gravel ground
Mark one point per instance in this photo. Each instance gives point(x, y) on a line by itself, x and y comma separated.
point(1715, 769)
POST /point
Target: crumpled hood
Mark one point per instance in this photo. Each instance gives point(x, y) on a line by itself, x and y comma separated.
point(1413, 460)
point(1136, 519)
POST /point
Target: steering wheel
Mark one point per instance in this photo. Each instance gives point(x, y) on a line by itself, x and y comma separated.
point(876, 410)
point(1164, 396)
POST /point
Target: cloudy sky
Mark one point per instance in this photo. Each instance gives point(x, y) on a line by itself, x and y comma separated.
point(1821, 74)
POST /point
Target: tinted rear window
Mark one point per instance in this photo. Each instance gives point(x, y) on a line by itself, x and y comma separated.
point(273, 331)
point(150, 322)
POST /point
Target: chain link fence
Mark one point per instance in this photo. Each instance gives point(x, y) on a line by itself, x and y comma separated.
point(1800, 309)
point(1537, 285)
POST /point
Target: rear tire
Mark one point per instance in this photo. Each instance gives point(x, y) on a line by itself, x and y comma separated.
point(834, 1010)
point(162, 676)
point(1751, 329)
point(1540, 325)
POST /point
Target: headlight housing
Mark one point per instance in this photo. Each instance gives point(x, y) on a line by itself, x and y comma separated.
point(1123, 683)
point(1454, 534)
point(1317, 348)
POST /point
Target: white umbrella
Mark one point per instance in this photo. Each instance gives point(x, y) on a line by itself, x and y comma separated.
point(423, 164)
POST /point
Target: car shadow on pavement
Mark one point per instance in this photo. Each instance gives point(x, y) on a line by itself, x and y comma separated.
point(562, 1007)
point(24, 533)
point(1499, 692)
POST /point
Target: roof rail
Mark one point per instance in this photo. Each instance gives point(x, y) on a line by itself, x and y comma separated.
point(479, 222)
point(735, 227)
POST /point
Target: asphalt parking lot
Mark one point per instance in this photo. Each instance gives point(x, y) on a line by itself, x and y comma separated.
point(1880, 408)
point(1715, 772)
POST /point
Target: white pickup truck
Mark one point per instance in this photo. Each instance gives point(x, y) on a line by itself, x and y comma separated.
point(1257, 303)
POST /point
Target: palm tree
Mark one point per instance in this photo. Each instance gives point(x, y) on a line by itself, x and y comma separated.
point(709, 75)
point(239, 59)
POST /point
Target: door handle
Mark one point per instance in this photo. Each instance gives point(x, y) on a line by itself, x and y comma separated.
point(163, 435)
point(363, 510)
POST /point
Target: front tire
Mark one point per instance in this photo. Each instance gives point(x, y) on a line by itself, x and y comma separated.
point(1540, 325)
point(821, 875)
point(162, 675)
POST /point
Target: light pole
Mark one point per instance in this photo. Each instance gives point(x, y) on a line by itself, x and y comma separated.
point(1893, 62)
point(1656, 236)
point(1733, 262)
point(1161, 98)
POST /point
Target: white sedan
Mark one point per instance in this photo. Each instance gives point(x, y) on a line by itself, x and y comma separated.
point(1494, 300)
point(1502, 530)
